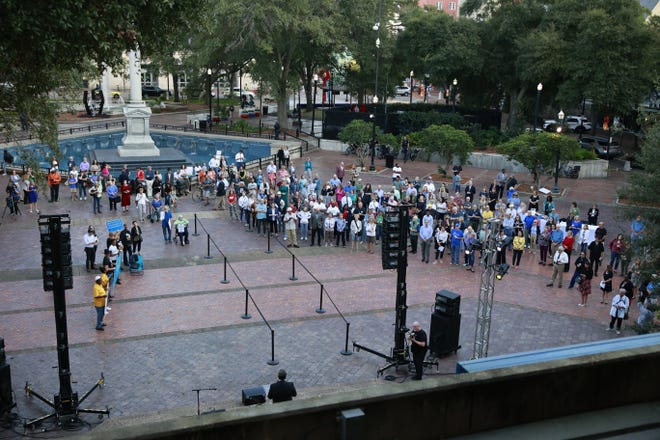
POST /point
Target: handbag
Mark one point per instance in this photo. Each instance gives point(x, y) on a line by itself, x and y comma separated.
point(602, 284)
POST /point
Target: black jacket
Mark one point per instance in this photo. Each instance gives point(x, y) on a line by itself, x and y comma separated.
point(281, 391)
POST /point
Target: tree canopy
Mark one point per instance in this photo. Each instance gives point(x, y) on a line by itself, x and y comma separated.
point(538, 151)
point(449, 143)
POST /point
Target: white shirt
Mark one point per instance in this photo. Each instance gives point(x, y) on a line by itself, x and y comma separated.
point(396, 172)
point(560, 257)
point(91, 240)
point(304, 217)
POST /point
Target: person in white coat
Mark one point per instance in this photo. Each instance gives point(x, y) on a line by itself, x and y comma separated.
point(620, 304)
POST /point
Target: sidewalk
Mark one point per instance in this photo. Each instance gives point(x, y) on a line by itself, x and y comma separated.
point(178, 328)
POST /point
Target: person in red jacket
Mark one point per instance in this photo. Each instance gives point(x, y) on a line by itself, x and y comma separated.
point(568, 243)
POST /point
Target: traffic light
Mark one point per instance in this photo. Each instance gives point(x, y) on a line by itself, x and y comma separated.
point(390, 246)
point(501, 271)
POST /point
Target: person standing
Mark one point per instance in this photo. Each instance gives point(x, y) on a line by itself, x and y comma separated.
point(136, 237)
point(618, 311)
point(606, 283)
point(127, 244)
point(125, 196)
point(585, 285)
point(282, 391)
point(426, 236)
point(414, 233)
point(141, 204)
point(33, 195)
point(418, 348)
point(456, 240)
point(112, 191)
point(371, 234)
point(317, 227)
point(149, 177)
point(579, 269)
point(501, 180)
point(99, 294)
point(96, 192)
point(290, 226)
point(165, 219)
point(54, 180)
point(596, 250)
point(559, 261)
point(340, 171)
point(91, 243)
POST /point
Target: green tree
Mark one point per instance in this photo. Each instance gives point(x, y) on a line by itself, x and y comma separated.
point(447, 142)
point(642, 197)
point(46, 46)
point(538, 152)
point(357, 134)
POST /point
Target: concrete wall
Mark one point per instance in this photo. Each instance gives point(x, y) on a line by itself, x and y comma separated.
point(436, 407)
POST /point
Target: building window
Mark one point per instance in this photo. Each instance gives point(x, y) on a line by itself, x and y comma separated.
point(438, 5)
point(452, 6)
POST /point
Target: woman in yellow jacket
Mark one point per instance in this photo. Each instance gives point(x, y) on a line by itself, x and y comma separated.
point(518, 248)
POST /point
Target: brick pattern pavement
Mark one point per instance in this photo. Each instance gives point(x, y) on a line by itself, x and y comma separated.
point(177, 327)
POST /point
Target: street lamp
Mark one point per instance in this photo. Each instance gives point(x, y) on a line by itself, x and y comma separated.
point(372, 166)
point(315, 78)
point(454, 84)
point(299, 111)
point(411, 85)
point(209, 72)
point(560, 116)
point(539, 87)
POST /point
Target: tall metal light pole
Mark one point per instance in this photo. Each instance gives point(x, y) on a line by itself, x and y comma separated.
point(208, 73)
point(316, 82)
point(411, 85)
point(454, 85)
point(539, 88)
point(560, 116)
point(372, 144)
point(299, 110)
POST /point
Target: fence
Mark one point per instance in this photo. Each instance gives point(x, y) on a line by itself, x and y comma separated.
point(249, 298)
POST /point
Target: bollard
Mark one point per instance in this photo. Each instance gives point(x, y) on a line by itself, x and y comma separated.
point(293, 268)
point(195, 234)
point(208, 247)
point(246, 315)
point(225, 280)
point(346, 351)
point(268, 251)
point(272, 360)
point(320, 308)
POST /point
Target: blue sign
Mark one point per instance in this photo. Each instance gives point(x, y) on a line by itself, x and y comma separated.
point(114, 225)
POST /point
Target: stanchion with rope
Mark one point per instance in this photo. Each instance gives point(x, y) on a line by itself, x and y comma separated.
point(195, 234)
point(246, 315)
point(346, 351)
point(272, 360)
point(208, 247)
point(320, 308)
point(225, 280)
point(268, 251)
point(293, 268)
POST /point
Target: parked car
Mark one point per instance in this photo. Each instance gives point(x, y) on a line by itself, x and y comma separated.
point(153, 91)
point(601, 146)
point(402, 90)
point(578, 124)
point(238, 92)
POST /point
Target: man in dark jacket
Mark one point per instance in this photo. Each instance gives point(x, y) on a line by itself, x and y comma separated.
point(281, 391)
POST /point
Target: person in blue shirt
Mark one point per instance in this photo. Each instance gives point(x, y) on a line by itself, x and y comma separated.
point(165, 221)
point(426, 237)
point(576, 226)
point(156, 204)
point(456, 240)
point(308, 167)
point(637, 229)
point(556, 238)
point(112, 191)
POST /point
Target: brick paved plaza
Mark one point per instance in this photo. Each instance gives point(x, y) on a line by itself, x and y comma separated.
point(177, 328)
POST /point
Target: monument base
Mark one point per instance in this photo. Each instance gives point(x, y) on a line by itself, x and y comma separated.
point(137, 142)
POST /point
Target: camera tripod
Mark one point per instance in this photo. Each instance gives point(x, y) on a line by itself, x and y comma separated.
point(13, 207)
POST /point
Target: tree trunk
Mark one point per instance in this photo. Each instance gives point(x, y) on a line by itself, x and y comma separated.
point(515, 97)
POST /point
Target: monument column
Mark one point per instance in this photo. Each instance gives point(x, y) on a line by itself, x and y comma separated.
point(137, 141)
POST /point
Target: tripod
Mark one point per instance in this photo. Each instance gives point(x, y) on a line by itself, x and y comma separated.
point(400, 353)
point(13, 207)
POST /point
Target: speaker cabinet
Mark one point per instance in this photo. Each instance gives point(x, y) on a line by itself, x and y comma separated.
point(6, 398)
point(447, 303)
point(252, 396)
point(445, 332)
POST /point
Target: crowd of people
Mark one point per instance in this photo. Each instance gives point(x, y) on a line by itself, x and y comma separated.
point(283, 199)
